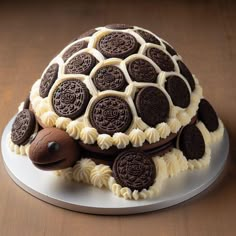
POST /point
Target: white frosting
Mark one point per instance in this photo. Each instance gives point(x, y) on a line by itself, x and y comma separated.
point(104, 141)
point(202, 162)
point(18, 149)
point(121, 140)
point(62, 123)
point(163, 130)
point(184, 118)
point(174, 125)
point(172, 164)
point(126, 193)
point(161, 168)
point(217, 134)
point(89, 135)
point(35, 90)
point(182, 161)
point(36, 102)
point(67, 173)
point(205, 133)
point(42, 107)
point(49, 118)
point(74, 128)
point(152, 135)
point(140, 124)
point(100, 175)
point(137, 137)
point(82, 170)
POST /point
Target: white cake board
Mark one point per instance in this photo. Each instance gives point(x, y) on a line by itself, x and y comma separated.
point(85, 198)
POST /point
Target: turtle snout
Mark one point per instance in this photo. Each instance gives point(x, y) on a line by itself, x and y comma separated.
point(53, 149)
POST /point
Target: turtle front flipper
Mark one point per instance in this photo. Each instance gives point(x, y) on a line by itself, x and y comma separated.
point(53, 149)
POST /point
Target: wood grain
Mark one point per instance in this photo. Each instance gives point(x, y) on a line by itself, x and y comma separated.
point(203, 32)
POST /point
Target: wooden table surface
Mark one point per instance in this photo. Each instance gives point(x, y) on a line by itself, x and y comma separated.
point(203, 32)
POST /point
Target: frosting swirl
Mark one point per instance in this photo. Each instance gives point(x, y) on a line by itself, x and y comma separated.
point(140, 124)
point(49, 118)
point(184, 118)
point(89, 135)
point(100, 175)
point(152, 135)
point(121, 140)
point(163, 130)
point(82, 170)
point(74, 128)
point(137, 137)
point(104, 141)
point(62, 123)
point(174, 125)
point(42, 107)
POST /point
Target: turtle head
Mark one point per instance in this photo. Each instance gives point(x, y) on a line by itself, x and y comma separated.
point(53, 149)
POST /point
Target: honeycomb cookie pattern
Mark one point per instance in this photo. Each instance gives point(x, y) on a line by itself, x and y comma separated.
point(113, 62)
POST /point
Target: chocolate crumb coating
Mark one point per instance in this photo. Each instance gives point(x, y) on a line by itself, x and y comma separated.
point(53, 149)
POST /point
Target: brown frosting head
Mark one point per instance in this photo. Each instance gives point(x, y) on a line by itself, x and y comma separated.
point(53, 149)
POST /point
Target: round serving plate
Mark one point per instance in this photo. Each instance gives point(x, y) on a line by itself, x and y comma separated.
point(85, 198)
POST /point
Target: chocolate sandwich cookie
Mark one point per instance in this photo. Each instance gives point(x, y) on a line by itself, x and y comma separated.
point(187, 74)
point(169, 49)
point(73, 49)
point(161, 59)
point(141, 70)
point(70, 98)
point(178, 91)
point(152, 105)
point(53, 149)
point(109, 78)
point(48, 80)
point(82, 63)
point(207, 115)
point(119, 26)
point(23, 127)
point(134, 170)
point(149, 38)
point(191, 142)
point(117, 44)
point(87, 34)
point(110, 114)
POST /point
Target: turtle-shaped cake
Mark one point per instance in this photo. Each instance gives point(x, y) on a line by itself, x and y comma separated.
point(117, 108)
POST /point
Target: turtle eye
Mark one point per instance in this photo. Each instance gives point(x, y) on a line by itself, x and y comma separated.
point(53, 146)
